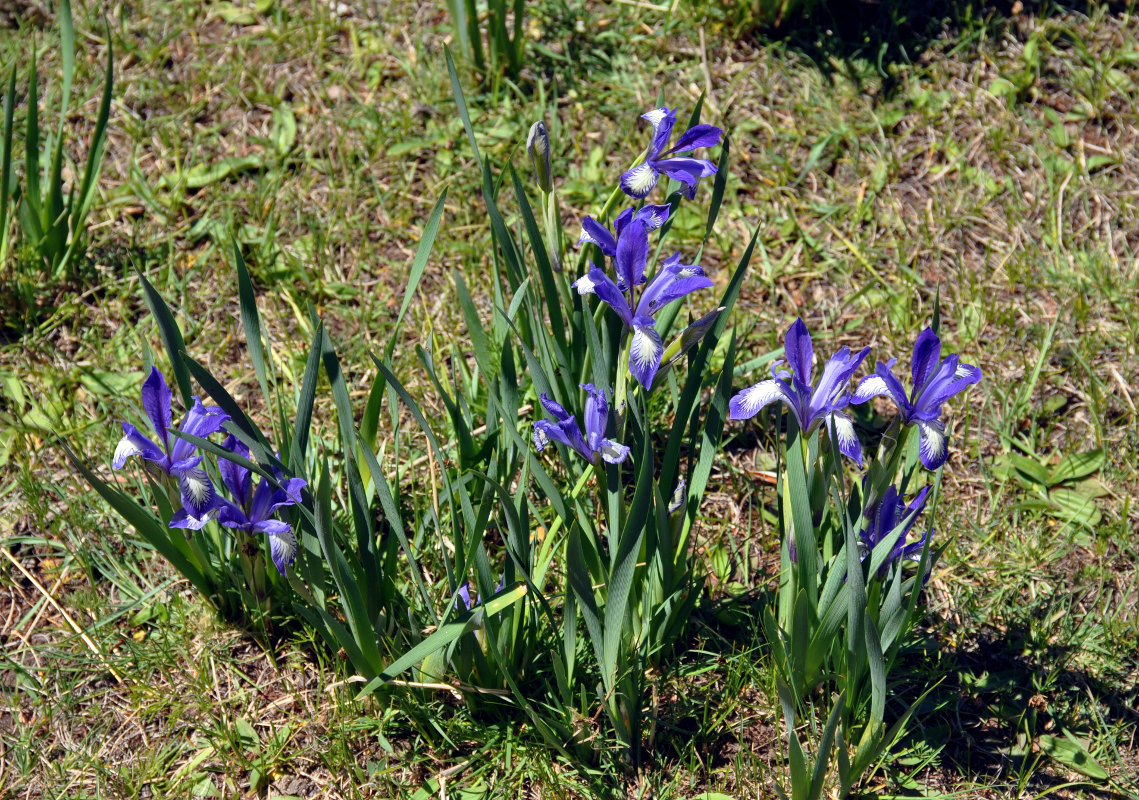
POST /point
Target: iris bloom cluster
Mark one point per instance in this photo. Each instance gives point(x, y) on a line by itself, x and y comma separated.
point(935, 380)
point(672, 281)
point(250, 509)
point(629, 292)
point(254, 505)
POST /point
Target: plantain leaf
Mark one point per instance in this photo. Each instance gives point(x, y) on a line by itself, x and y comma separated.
point(1073, 755)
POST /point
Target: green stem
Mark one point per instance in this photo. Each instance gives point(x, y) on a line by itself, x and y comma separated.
point(573, 495)
point(619, 394)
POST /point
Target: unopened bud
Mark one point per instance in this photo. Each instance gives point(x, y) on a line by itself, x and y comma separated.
point(686, 340)
point(538, 146)
point(678, 497)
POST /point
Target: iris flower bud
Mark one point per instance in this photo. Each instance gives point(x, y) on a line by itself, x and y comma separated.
point(538, 146)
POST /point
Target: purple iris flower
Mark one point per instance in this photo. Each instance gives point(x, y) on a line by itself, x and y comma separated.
point(251, 507)
point(464, 602)
point(672, 282)
point(593, 232)
point(640, 180)
point(172, 455)
point(593, 446)
point(885, 516)
point(935, 381)
point(811, 405)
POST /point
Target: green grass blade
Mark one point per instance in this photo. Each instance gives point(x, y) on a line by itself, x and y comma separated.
point(250, 320)
point(581, 584)
point(391, 512)
point(340, 397)
point(478, 339)
point(877, 672)
point(351, 600)
point(545, 270)
point(82, 204)
point(67, 55)
point(823, 753)
point(418, 266)
point(172, 546)
point(718, 187)
point(460, 100)
point(797, 514)
point(171, 338)
point(797, 760)
point(32, 198)
point(625, 562)
point(307, 397)
point(6, 163)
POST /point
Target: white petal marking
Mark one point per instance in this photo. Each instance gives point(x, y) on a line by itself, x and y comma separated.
point(756, 397)
point(640, 180)
point(870, 386)
point(125, 449)
point(844, 427)
point(645, 349)
point(585, 285)
point(612, 452)
point(196, 486)
point(933, 440)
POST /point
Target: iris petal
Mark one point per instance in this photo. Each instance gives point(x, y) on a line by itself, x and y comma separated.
point(134, 443)
point(156, 403)
point(596, 414)
point(799, 350)
point(869, 387)
point(197, 491)
point(848, 443)
point(663, 119)
point(632, 254)
point(751, 401)
point(593, 232)
point(671, 283)
point(645, 351)
point(612, 452)
point(697, 136)
point(235, 477)
point(282, 542)
point(685, 170)
point(927, 351)
point(932, 448)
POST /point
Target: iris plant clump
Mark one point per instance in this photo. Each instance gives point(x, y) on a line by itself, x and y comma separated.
point(848, 589)
point(844, 578)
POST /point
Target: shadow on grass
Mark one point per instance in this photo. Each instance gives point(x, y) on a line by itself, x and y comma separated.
point(864, 38)
point(999, 692)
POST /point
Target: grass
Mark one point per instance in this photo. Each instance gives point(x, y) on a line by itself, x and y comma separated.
point(875, 185)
